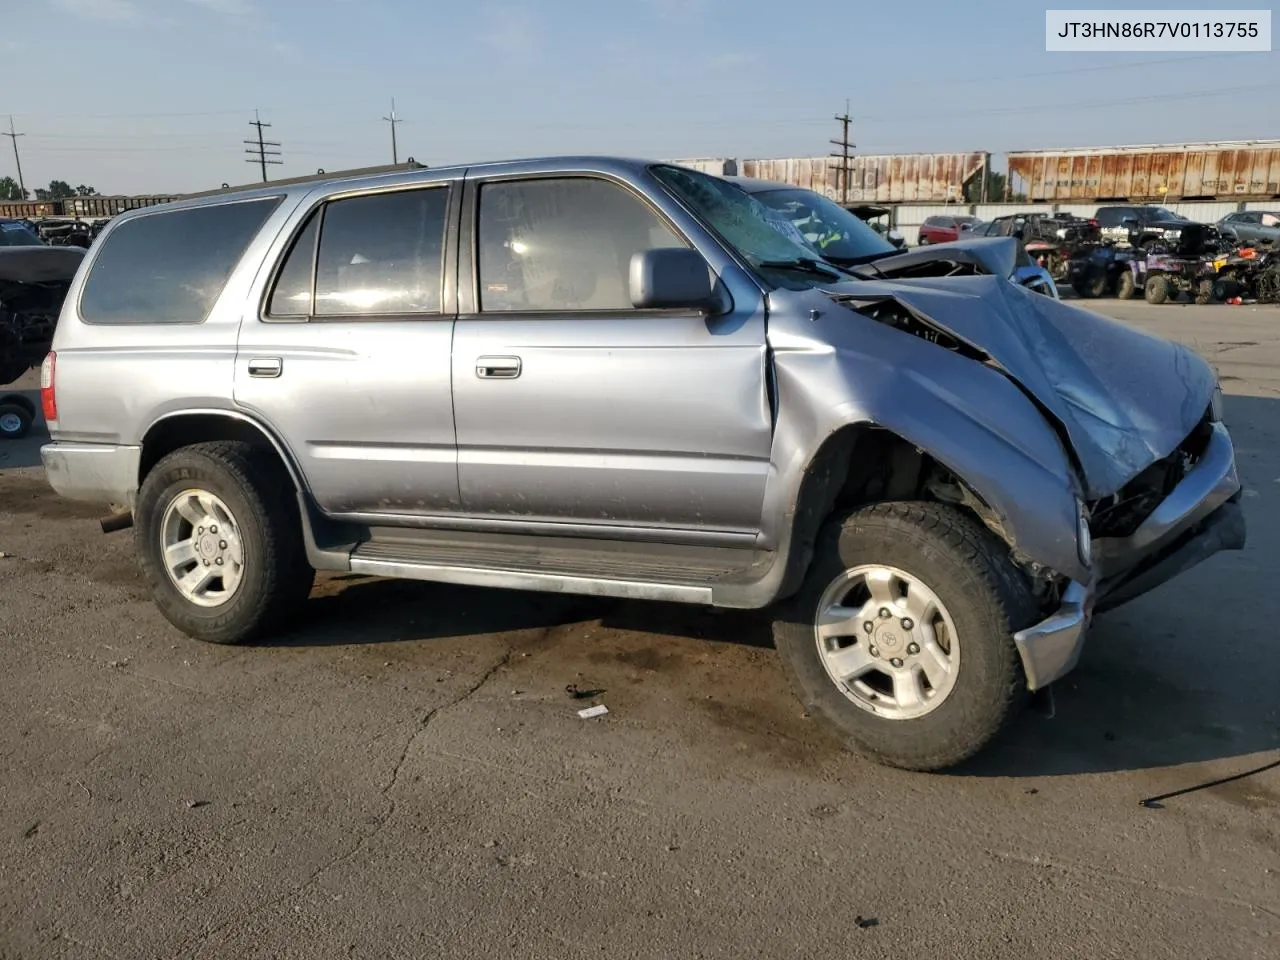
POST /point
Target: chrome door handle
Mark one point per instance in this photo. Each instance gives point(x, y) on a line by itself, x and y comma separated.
point(266, 367)
point(497, 368)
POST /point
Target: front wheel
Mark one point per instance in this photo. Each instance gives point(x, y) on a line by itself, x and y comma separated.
point(219, 540)
point(1127, 288)
point(1204, 292)
point(901, 637)
point(1157, 288)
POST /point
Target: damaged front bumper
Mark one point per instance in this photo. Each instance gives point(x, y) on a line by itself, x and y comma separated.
point(1200, 517)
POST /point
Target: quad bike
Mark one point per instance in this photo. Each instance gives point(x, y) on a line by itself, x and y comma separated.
point(1161, 276)
point(1099, 270)
point(1249, 272)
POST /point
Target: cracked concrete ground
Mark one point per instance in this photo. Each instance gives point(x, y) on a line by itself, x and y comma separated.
point(404, 775)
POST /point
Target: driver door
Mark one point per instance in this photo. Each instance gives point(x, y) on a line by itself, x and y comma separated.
point(574, 407)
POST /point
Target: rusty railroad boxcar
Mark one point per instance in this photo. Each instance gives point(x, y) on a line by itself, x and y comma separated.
point(1226, 170)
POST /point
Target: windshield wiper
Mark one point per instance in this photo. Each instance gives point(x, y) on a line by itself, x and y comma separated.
point(803, 265)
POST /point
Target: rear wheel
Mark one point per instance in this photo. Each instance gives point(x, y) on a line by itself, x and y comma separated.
point(901, 638)
point(1127, 288)
point(1204, 292)
point(219, 540)
point(15, 420)
point(1157, 288)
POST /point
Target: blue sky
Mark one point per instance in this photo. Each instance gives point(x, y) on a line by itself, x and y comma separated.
point(156, 95)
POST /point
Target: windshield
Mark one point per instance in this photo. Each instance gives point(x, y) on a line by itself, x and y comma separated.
point(1160, 213)
point(15, 234)
point(757, 232)
point(835, 232)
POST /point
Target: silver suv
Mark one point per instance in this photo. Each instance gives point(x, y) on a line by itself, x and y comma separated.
point(631, 379)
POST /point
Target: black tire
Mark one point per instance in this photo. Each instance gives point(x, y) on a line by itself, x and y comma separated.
point(1127, 288)
point(970, 571)
point(15, 420)
point(1157, 288)
point(1099, 284)
point(254, 486)
point(1204, 292)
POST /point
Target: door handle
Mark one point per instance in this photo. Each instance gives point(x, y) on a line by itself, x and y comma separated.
point(266, 367)
point(497, 368)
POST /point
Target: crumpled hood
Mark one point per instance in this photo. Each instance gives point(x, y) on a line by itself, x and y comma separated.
point(1125, 398)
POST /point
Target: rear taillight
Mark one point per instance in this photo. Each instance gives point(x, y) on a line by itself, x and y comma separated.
point(48, 399)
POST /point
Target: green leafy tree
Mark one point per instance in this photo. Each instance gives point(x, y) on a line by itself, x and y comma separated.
point(83, 191)
point(9, 189)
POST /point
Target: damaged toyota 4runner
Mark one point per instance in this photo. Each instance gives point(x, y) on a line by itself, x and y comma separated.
point(631, 379)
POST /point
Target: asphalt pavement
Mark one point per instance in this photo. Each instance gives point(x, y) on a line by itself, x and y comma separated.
point(405, 775)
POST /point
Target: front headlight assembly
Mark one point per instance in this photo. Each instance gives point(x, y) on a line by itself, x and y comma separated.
point(1084, 539)
point(1216, 406)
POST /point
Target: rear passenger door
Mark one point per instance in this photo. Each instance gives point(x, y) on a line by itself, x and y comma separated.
point(347, 358)
point(574, 407)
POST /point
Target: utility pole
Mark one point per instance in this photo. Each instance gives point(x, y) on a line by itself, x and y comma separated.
point(13, 135)
point(393, 120)
point(844, 145)
point(258, 152)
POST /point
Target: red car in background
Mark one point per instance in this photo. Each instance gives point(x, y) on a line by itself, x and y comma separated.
point(943, 229)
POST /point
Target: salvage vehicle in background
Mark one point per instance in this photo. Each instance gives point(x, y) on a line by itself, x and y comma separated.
point(632, 379)
point(943, 229)
point(1251, 227)
point(1139, 224)
point(1182, 263)
point(876, 217)
point(1248, 273)
point(34, 279)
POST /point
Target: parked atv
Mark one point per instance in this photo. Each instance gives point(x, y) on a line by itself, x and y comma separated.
point(33, 283)
point(1250, 273)
point(1099, 270)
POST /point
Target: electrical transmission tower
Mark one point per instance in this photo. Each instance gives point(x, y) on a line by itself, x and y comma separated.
point(393, 120)
point(844, 145)
point(258, 152)
point(14, 135)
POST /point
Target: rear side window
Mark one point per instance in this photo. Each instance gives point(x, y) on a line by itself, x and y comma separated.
point(378, 255)
point(170, 267)
point(1111, 216)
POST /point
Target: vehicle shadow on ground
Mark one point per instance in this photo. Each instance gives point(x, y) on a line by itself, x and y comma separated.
point(17, 454)
point(354, 609)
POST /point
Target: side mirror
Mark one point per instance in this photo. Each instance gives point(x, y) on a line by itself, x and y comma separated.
point(671, 277)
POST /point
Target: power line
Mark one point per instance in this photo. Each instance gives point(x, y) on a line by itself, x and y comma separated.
point(260, 153)
point(14, 135)
point(393, 120)
point(844, 145)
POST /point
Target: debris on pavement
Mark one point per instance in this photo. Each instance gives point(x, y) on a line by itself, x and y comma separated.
point(866, 922)
point(195, 804)
point(599, 710)
point(577, 694)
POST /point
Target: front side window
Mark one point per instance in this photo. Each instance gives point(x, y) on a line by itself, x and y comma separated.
point(761, 235)
point(562, 243)
point(170, 267)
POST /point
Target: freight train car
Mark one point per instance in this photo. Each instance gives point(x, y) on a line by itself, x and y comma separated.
point(1229, 170)
point(887, 178)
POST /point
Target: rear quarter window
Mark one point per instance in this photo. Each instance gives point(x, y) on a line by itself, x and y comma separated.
point(170, 267)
